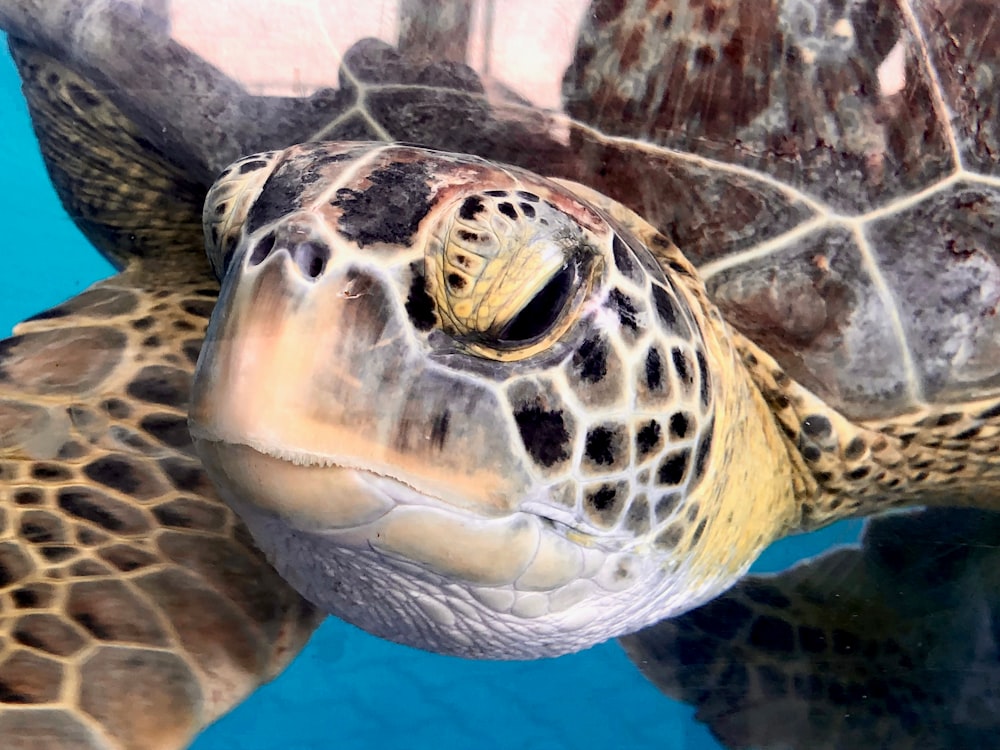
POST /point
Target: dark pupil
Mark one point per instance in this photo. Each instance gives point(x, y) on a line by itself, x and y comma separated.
point(539, 315)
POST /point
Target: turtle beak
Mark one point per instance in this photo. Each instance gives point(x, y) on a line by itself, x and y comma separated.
point(310, 367)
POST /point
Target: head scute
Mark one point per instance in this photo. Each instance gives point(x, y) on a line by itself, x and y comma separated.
point(506, 270)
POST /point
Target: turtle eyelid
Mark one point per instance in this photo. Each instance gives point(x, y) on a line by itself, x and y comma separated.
point(543, 310)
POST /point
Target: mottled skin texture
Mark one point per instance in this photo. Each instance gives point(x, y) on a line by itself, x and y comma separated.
point(832, 172)
point(335, 308)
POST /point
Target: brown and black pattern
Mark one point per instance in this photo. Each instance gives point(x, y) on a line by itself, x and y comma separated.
point(845, 223)
point(116, 556)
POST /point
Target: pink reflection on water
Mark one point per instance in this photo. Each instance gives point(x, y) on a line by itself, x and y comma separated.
point(293, 47)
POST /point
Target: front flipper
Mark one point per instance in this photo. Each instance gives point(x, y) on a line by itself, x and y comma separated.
point(134, 608)
point(891, 645)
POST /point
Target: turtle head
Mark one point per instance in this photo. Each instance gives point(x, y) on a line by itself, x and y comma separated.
point(460, 406)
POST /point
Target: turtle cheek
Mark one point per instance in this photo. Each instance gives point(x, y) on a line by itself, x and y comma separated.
point(327, 374)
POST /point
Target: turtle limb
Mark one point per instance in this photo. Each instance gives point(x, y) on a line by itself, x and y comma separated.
point(941, 455)
point(134, 608)
point(124, 194)
point(893, 644)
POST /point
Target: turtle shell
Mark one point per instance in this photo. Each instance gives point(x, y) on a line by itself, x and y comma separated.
point(831, 168)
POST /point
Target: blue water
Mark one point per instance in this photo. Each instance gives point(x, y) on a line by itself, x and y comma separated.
point(347, 689)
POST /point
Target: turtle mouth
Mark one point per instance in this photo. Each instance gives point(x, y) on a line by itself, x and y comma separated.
point(315, 492)
point(358, 508)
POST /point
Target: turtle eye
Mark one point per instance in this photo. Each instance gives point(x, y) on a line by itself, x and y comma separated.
point(543, 310)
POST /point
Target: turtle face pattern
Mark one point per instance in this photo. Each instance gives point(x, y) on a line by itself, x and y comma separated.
point(462, 381)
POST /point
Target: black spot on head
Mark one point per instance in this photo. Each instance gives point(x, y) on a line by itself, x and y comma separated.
point(854, 449)
point(602, 499)
point(81, 504)
point(668, 314)
point(526, 196)
point(669, 538)
point(654, 370)
point(664, 307)
point(705, 378)
point(143, 324)
point(420, 304)
point(699, 531)
point(772, 634)
point(466, 236)
point(666, 505)
point(680, 425)
point(682, 366)
point(496, 193)
point(389, 209)
point(470, 208)
point(704, 449)
point(151, 342)
point(637, 516)
point(600, 446)
point(621, 303)
point(455, 281)
point(590, 361)
point(252, 166)
point(543, 433)
point(647, 439)
point(811, 453)
point(280, 195)
point(623, 258)
point(673, 467)
point(508, 210)
point(816, 426)
point(527, 209)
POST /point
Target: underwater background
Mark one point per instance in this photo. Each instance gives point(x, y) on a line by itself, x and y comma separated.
point(348, 689)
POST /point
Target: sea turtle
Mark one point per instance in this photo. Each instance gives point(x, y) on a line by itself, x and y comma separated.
point(480, 409)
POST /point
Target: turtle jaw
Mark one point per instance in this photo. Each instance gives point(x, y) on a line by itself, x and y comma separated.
point(379, 554)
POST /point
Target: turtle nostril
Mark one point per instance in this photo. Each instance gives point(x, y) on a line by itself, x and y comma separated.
point(262, 249)
point(311, 258)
